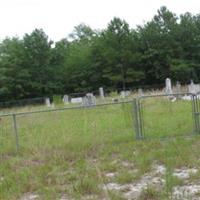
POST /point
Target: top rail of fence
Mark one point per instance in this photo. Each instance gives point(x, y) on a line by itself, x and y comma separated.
point(64, 108)
point(163, 95)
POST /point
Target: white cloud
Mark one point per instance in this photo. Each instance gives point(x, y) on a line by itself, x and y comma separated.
point(58, 17)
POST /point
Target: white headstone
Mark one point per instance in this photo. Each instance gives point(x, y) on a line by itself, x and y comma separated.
point(101, 92)
point(89, 100)
point(47, 102)
point(178, 89)
point(193, 88)
point(168, 86)
point(140, 92)
point(66, 99)
point(77, 100)
point(125, 93)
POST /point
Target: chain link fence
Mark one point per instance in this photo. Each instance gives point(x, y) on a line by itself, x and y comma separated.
point(196, 108)
point(153, 116)
point(56, 128)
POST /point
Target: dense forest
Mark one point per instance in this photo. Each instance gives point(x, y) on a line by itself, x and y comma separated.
point(116, 57)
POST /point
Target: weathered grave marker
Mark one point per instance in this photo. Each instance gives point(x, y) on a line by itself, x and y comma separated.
point(178, 89)
point(66, 99)
point(101, 92)
point(168, 86)
point(125, 93)
point(193, 88)
point(89, 100)
point(47, 102)
point(77, 100)
point(140, 92)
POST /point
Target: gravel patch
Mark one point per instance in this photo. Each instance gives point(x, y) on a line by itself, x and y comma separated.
point(29, 196)
point(156, 179)
point(186, 192)
point(134, 190)
point(184, 173)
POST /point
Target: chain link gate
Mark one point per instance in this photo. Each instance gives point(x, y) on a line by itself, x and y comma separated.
point(196, 112)
point(160, 116)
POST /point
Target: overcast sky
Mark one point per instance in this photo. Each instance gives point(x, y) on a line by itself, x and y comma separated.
point(58, 17)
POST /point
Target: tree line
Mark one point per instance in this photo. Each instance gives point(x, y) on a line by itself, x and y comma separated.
point(116, 57)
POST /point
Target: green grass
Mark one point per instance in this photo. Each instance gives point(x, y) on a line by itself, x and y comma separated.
point(165, 118)
point(70, 152)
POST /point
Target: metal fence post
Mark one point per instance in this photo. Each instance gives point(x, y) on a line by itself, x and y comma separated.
point(15, 132)
point(137, 131)
point(195, 110)
point(197, 114)
point(140, 118)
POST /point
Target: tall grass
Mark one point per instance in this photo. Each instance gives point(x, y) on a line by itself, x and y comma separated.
point(69, 152)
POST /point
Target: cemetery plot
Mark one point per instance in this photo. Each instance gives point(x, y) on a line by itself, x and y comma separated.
point(166, 116)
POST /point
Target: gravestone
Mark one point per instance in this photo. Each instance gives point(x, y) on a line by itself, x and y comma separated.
point(168, 86)
point(66, 99)
point(178, 89)
point(89, 100)
point(125, 93)
point(77, 100)
point(193, 88)
point(140, 92)
point(101, 92)
point(47, 102)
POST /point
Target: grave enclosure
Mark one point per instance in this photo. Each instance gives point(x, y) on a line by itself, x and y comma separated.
point(139, 118)
point(146, 116)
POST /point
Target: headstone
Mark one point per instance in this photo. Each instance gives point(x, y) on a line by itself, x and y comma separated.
point(101, 92)
point(125, 93)
point(197, 88)
point(66, 99)
point(168, 86)
point(47, 102)
point(89, 100)
point(77, 100)
point(140, 92)
point(193, 88)
point(178, 89)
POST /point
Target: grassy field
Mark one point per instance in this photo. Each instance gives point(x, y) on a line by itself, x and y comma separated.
point(92, 153)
